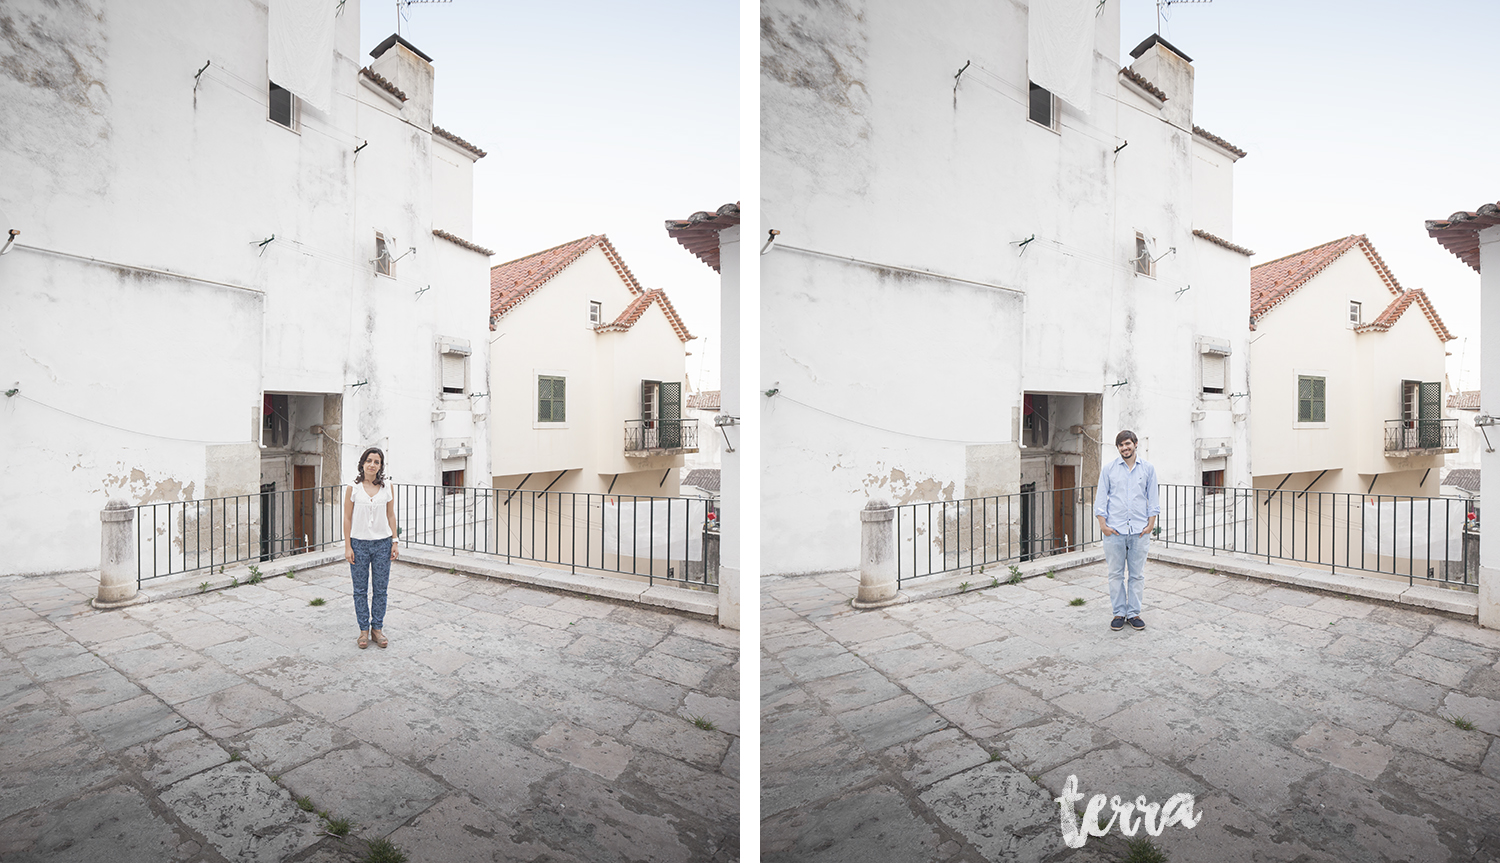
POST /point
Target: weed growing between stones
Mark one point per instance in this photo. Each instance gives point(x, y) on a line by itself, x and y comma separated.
point(254, 575)
point(1461, 722)
point(384, 851)
point(235, 756)
point(1143, 851)
point(203, 588)
point(1015, 575)
point(963, 587)
point(994, 582)
point(335, 826)
point(317, 600)
point(1052, 573)
point(305, 803)
point(1077, 600)
point(704, 723)
point(994, 756)
point(291, 573)
point(234, 582)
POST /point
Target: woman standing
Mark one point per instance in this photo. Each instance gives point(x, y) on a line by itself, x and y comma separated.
point(370, 543)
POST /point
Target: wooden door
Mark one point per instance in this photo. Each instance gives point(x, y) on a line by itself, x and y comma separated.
point(1064, 532)
point(304, 510)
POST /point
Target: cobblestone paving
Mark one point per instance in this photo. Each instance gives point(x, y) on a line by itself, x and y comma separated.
point(502, 723)
point(1309, 727)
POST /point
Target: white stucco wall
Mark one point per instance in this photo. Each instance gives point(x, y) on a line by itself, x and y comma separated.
point(893, 382)
point(1489, 365)
point(1306, 334)
point(550, 333)
point(124, 161)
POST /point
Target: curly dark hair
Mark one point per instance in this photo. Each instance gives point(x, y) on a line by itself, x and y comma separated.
point(380, 474)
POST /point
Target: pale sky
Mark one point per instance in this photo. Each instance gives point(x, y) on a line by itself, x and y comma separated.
point(599, 117)
point(1359, 118)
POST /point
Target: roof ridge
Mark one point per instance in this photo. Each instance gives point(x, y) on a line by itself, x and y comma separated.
point(545, 251)
point(1305, 251)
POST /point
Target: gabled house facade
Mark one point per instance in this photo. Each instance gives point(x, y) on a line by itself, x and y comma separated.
point(226, 284)
point(971, 281)
point(587, 382)
point(1347, 371)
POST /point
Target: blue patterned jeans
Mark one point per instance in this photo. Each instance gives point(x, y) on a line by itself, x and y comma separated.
point(371, 572)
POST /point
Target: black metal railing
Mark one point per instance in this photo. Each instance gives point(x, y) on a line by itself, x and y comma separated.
point(1403, 436)
point(667, 435)
point(977, 534)
point(186, 536)
point(1416, 538)
point(1427, 539)
point(669, 539)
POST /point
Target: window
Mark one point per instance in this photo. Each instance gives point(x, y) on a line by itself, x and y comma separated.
point(383, 263)
point(453, 366)
point(1213, 481)
point(551, 399)
point(1145, 250)
point(453, 481)
point(1311, 399)
point(1043, 107)
point(596, 312)
point(275, 427)
point(283, 107)
point(1213, 373)
point(1355, 316)
point(1034, 425)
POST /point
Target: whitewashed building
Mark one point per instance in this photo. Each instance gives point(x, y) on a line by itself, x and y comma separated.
point(1347, 371)
point(985, 258)
point(588, 373)
point(239, 255)
point(1474, 238)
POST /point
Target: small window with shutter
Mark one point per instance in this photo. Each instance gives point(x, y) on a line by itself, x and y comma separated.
point(1213, 373)
point(1311, 399)
point(551, 399)
point(453, 366)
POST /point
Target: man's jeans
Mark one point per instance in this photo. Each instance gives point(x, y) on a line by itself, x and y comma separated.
point(372, 576)
point(1122, 550)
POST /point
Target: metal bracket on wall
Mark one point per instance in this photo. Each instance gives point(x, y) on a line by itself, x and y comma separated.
point(720, 422)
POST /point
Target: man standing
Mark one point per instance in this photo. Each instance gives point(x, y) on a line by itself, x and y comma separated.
point(1126, 507)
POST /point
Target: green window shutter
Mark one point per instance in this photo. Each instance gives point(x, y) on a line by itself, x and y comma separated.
point(1319, 403)
point(551, 398)
point(1304, 400)
point(559, 400)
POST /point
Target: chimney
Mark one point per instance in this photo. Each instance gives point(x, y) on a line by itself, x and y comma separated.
point(1159, 62)
point(399, 62)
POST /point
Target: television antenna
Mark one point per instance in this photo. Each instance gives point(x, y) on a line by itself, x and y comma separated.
point(401, 6)
point(1163, 4)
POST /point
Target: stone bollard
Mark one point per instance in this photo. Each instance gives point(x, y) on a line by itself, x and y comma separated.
point(877, 556)
point(117, 575)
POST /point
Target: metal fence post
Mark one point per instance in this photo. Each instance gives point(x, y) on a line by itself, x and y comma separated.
point(118, 577)
point(877, 556)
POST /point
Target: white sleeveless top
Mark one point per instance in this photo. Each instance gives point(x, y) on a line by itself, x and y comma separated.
point(370, 521)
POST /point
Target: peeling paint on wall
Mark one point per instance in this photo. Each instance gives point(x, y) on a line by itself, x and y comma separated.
point(138, 488)
point(903, 489)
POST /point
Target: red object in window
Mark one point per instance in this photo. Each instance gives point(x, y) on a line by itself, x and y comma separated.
point(266, 406)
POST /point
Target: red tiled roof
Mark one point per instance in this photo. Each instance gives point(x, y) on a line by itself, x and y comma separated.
point(699, 233)
point(1143, 82)
point(461, 242)
point(1274, 281)
point(638, 307)
point(1459, 233)
point(1220, 241)
point(707, 400)
point(1398, 306)
point(444, 133)
point(1210, 136)
point(706, 478)
point(384, 84)
point(512, 282)
point(1466, 478)
point(1464, 400)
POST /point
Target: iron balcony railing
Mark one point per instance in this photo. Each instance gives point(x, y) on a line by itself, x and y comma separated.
point(671, 539)
point(1417, 538)
point(1406, 436)
point(186, 536)
point(661, 436)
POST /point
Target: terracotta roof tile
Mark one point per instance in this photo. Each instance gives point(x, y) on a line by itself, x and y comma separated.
point(1143, 82)
point(1459, 233)
point(1464, 400)
point(461, 242)
point(444, 133)
point(699, 233)
point(1466, 478)
point(1398, 307)
point(706, 478)
point(384, 84)
point(1209, 136)
point(1274, 281)
point(706, 400)
point(638, 307)
point(1220, 241)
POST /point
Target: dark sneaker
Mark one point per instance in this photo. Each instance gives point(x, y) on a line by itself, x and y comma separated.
point(1117, 624)
point(1137, 624)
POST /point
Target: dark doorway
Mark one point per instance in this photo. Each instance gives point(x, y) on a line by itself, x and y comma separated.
point(267, 519)
point(304, 506)
point(1028, 498)
point(1064, 536)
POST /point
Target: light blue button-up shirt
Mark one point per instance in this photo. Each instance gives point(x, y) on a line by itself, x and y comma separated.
point(1127, 496)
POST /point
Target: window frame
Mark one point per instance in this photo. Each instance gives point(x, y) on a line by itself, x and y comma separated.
point(596, 313)
point(276, 424)
point(383, 245)
point(1356, 314)
point(294, 107)
point(1313, 421)
point(536, 392)
point(1142, 261)
point(1052, 109)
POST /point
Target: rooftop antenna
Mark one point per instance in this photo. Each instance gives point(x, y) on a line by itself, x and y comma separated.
point(1162, 4)
point(401, 6)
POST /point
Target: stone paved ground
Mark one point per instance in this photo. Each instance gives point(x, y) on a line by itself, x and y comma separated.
point(502, 723)
point(1309, 727)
